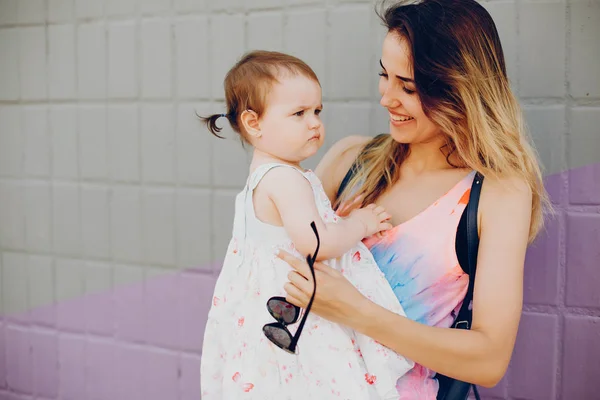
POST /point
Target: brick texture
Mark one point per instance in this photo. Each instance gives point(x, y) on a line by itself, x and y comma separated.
point(116, 205)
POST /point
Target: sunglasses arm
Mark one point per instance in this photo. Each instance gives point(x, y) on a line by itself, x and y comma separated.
point(311, 262)
point(294, 341)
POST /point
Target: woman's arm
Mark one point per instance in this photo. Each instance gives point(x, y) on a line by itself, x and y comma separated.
point(480, 355)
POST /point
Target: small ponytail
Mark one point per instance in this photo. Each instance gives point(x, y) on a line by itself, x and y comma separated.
point(211, 123)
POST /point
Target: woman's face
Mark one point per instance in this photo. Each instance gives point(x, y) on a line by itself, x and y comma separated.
point(408, 122)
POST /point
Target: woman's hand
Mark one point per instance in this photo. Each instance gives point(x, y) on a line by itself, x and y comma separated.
point(336, 299)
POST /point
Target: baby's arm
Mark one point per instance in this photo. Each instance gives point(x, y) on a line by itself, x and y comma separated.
point(293, 198)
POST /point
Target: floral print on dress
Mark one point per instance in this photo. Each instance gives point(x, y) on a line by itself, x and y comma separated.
point(332, 361)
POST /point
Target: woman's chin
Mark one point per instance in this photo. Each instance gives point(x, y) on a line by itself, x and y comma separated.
point(401, 134)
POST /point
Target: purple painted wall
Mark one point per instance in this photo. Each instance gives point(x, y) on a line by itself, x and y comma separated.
point(143, 341)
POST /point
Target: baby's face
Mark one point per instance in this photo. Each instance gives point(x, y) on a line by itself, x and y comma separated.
point(291, 127)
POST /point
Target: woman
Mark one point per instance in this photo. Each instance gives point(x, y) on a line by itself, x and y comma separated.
point(452, 112)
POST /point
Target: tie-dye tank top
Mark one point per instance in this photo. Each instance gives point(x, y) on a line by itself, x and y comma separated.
point(419, 260)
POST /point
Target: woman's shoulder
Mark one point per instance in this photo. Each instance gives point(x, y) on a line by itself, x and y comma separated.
point(346, 148)
point(337, 161)
point(344, 152)
point(498, 189)
point(505, 199)
point(351, 141)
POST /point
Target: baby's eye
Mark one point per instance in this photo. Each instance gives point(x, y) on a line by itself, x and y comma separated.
point(317, 111)
point(299, 113)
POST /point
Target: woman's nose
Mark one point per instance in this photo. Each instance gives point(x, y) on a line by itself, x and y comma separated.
point(389, 98)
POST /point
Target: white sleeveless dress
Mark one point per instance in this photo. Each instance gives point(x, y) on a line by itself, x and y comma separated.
point(332, 361)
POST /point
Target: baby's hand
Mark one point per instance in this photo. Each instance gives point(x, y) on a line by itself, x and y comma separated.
point(373, 217)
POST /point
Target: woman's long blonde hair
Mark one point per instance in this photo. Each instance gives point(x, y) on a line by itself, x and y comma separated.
point(461, 80)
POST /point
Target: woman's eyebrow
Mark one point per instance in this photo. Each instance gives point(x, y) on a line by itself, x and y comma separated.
point(402, 78)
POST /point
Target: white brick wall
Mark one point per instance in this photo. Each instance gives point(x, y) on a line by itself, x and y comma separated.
point(107, 177)
point(61, 62)
point(191, 49)
point(91, 60)
point(9, 64)
point(544, 74)
point(122, 77)
point(32, 63)
point(65, 152)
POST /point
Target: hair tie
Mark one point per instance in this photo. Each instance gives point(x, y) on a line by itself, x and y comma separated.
point(223, 115)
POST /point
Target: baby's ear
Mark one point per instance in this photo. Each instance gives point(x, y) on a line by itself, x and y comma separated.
point(250, 123)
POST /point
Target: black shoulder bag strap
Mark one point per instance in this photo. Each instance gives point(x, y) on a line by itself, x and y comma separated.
point(465, 315)
point(452, 389)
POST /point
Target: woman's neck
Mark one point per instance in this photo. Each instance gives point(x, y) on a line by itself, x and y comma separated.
point(429, 156)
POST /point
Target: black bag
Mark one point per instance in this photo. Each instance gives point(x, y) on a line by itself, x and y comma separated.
point(452, 389)
point(467, 245)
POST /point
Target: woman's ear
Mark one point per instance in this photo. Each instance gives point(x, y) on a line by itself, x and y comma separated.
point(251, 123)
